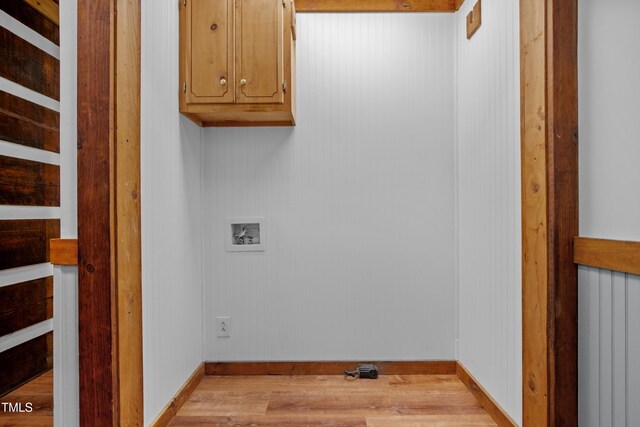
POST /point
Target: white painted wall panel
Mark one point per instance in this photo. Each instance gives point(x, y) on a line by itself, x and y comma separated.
point(609, 348)
point(488, 202)
point(609, 66)
point(171, 216)
point(359, 199)
point(609, 340)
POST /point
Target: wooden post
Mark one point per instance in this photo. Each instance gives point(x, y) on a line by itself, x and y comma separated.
point(109, 250)
point(549, 211)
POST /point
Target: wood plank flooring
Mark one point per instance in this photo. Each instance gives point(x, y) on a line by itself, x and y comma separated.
point(308, 400)
point(39, 392)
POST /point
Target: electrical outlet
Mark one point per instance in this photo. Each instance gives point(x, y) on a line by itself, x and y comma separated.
point(223, 326)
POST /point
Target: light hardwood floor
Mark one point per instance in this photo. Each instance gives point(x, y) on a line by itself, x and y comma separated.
point(301, 401)
point(39, 392)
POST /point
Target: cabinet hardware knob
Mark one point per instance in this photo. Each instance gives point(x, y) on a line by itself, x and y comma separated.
point(214, 27)
point(223, 81)
point(243, 82)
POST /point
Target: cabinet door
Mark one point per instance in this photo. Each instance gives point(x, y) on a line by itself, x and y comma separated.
point(259, 58)
point(210, 76)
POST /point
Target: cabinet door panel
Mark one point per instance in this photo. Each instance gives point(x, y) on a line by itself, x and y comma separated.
point(259, 57)
point(211, 76)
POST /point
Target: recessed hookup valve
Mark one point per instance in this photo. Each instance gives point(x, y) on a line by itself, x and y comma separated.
point(364, 371)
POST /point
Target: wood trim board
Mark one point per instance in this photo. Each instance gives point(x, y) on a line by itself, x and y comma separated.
point(377, 5)
point(125, 191)
point(492, 407)
point(445, 367)
point(549, 131)
point(109, 252)
point(171, 409)
point(615, 255)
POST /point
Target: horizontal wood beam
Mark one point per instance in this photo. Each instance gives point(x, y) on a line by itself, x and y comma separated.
point(377, 5)
point(48, 8)
point(64, 251)
point(616, 255)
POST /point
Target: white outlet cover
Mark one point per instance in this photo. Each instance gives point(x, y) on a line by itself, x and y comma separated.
point(223, 326)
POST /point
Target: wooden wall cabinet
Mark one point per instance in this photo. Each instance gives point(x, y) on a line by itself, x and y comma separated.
point(237, 62)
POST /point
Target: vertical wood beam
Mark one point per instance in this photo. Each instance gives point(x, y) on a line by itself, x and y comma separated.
point(109, 300)
point(96, 290)
point(128, 220)
point(549, 210)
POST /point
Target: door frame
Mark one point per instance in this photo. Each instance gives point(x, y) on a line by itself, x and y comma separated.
point(109, 244)
point(109, 234)
point(549, 131)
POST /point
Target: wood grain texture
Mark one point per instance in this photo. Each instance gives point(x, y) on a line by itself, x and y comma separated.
point(308, 400)
point(38, 392)
point(48, 8)
point(25, 304)
point(172, 408)
point(25, 123)
point(486, 400)
point(26, 242)
point(23, 362)
point(327, 368)
point(30, 17)
point(96, 284)
point(64, 251)
point(110, 306)
point(127, 227)
point(550, 210)
point(28, 183)
point(562, 173)
point(458, 4)
point(616, 255)
point(376, 5)
point(259, 55)
point(535, 378)
point(25, 64)
point(261, 102)
point(210, 44)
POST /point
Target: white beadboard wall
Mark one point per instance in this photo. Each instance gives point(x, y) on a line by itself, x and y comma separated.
point(609, 323)
point(609, 66)
point(488, 203)
point(171, 216)
point(609, 348)
point(359, 200)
